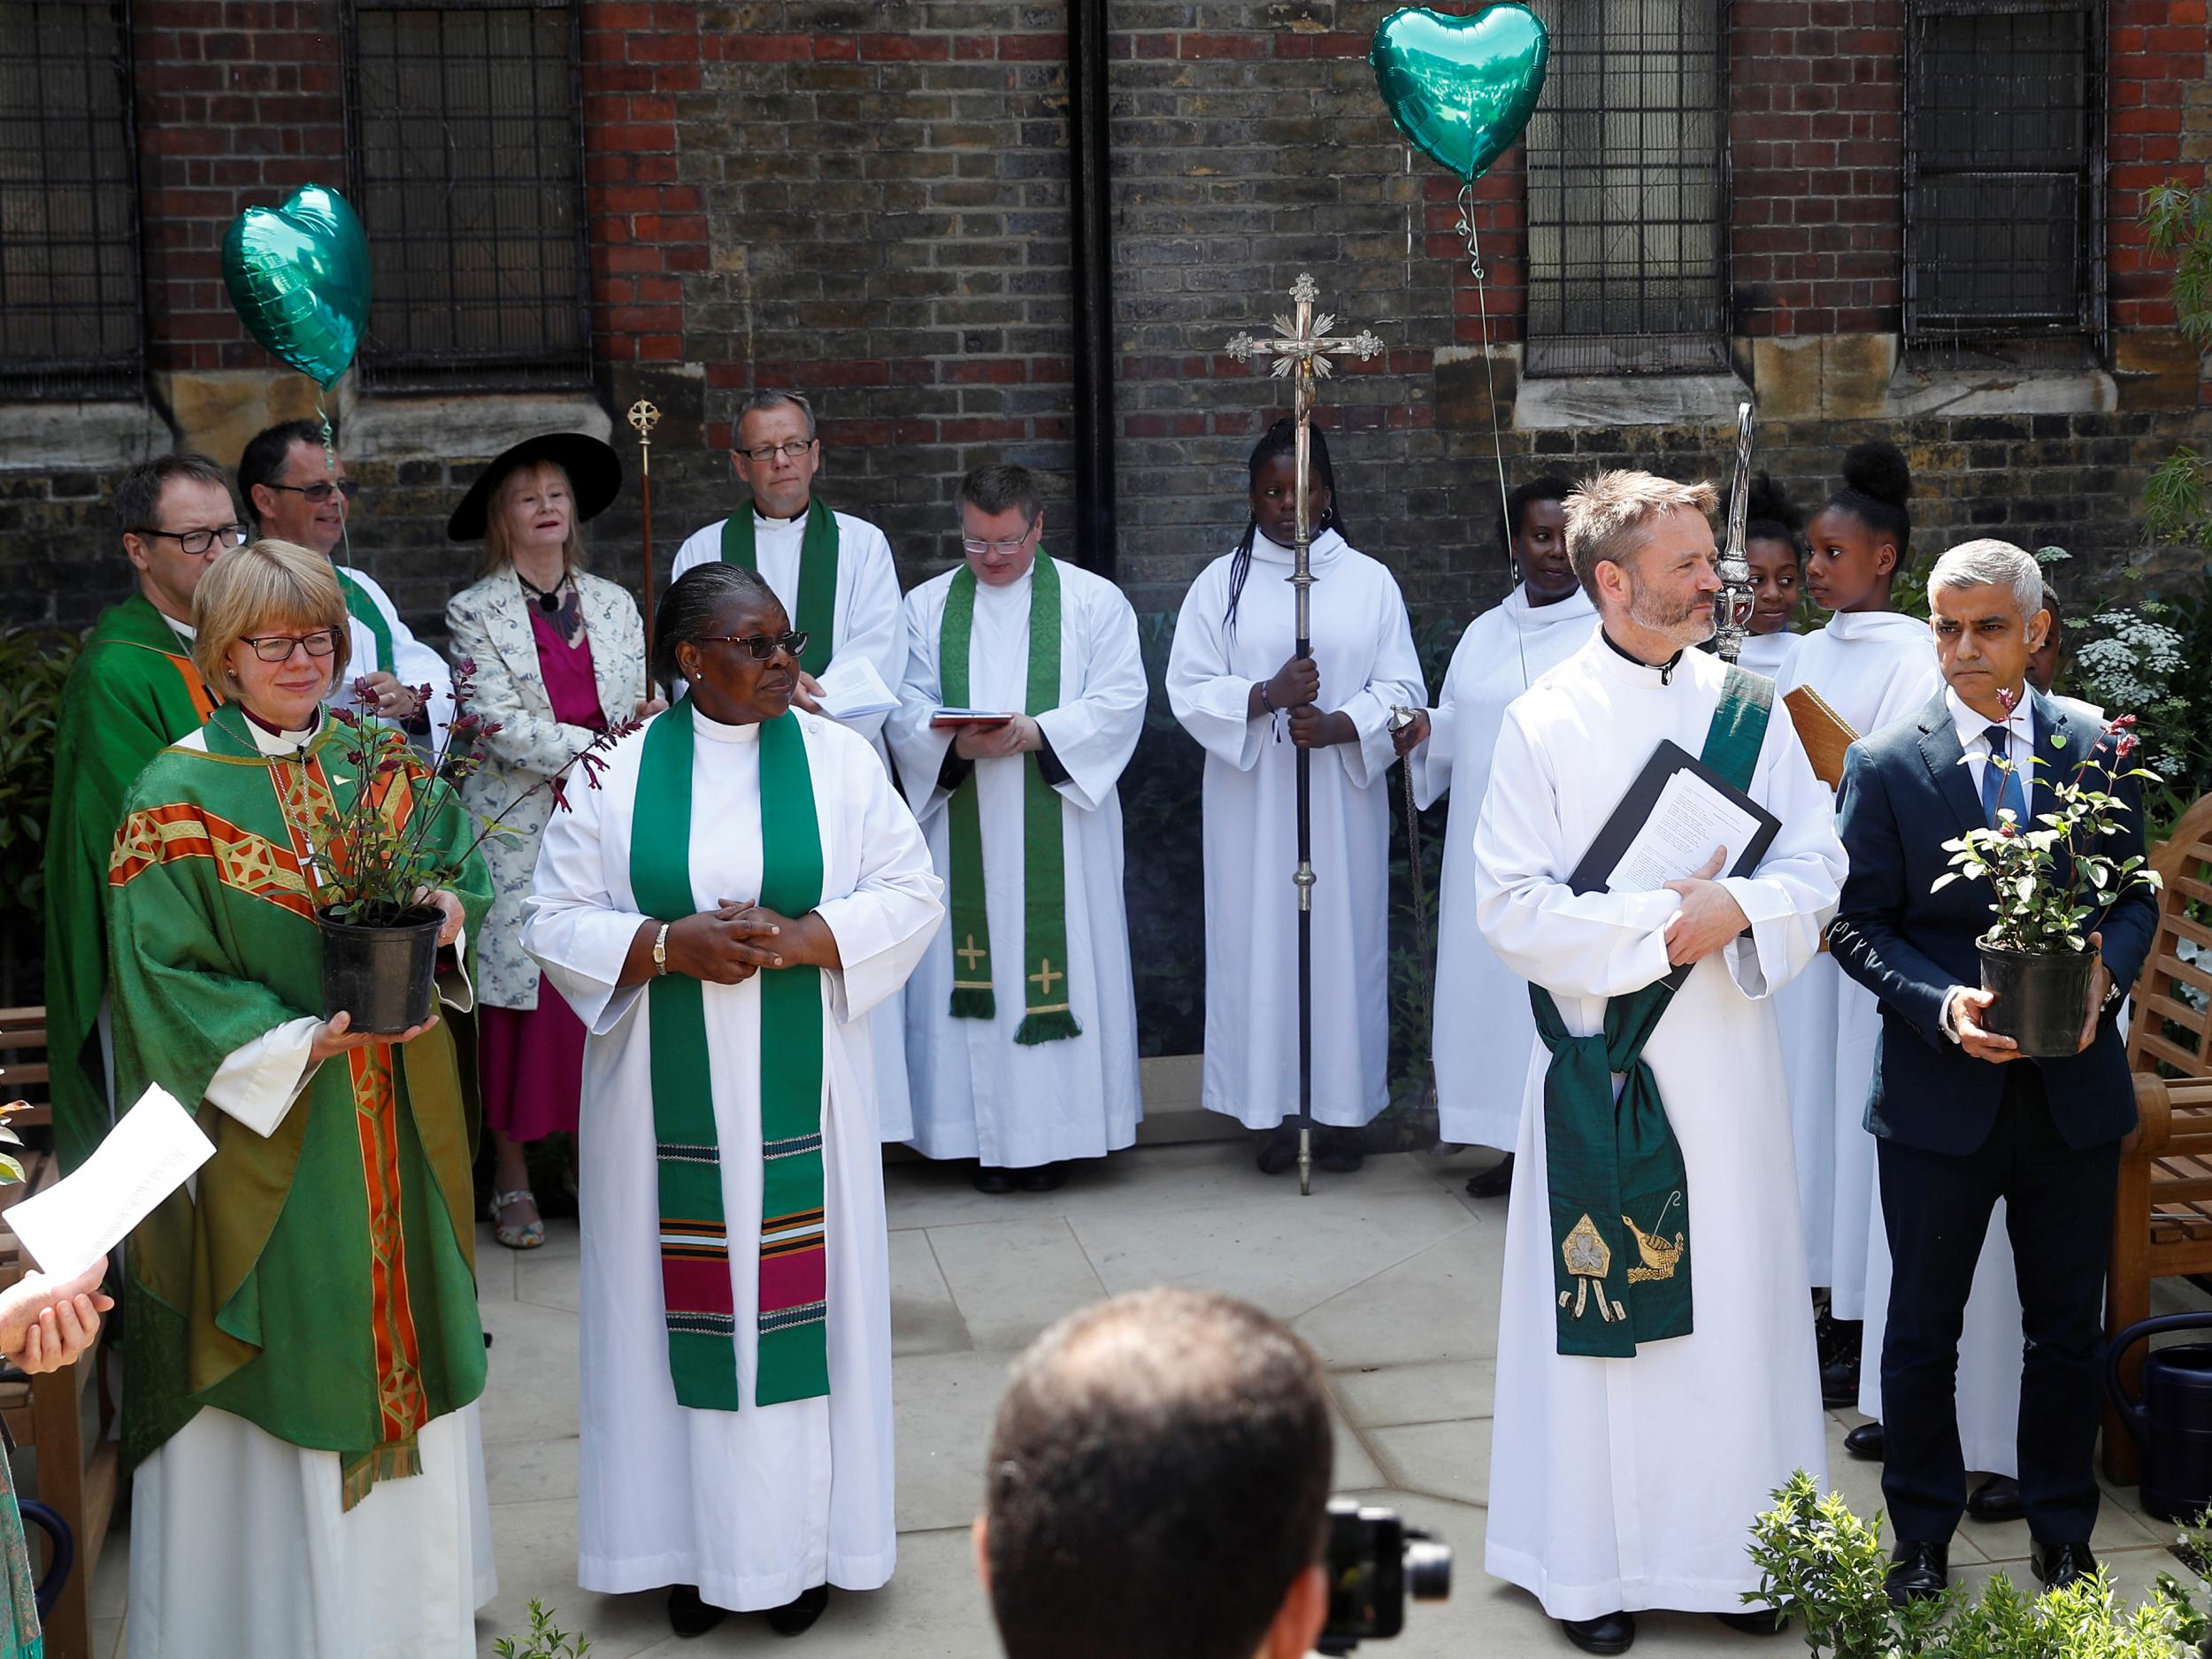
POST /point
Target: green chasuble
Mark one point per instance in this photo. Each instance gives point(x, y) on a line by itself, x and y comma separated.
point(1619, 1193)
point(320, 1282)
point(133, 692)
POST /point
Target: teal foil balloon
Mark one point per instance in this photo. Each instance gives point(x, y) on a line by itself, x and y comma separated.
point(299, 277)
point(1462, 88)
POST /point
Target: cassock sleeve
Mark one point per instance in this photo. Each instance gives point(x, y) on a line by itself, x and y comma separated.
point(526, 742)
point(573, 927)
point(1576, 944)
point(1395, 678)
point(1093, 734)
point(918, 748)
point(699, 547)
point(883, 925)
point(870, 656)
point(1213, 705)
point(1789, 899)
point(1432, 761)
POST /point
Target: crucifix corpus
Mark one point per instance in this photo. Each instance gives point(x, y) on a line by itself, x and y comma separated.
point(1300, 350)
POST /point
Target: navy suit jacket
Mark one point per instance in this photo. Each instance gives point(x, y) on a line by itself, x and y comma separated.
point(1904, 794)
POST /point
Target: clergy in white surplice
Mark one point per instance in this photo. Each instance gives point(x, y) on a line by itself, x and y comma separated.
point(835, 578)
point(1021, 1020)
point(1232, 682)
point(1640, 1430)
point(1482, 1005)
point(722, 911)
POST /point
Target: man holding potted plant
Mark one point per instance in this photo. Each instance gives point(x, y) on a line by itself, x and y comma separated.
point(1992, 780)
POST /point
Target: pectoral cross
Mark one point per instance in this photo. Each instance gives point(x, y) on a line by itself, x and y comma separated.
point(972, 954)
point(1044, 978)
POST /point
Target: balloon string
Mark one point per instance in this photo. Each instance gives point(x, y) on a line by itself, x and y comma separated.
point(1466, 228)
point(330, 465)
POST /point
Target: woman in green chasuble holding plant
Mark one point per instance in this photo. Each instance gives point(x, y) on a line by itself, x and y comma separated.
point(305, 1348)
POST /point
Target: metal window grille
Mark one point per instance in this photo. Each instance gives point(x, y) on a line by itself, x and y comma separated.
point(72, 322)
point(467, 126)
point(1627, 190)
point(2004, 165)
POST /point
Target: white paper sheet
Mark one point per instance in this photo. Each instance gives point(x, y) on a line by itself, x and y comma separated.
point(1689, 820)
point(152, 1150)
point(861, 705)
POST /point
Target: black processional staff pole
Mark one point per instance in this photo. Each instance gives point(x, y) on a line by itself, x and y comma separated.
point(1301, 354)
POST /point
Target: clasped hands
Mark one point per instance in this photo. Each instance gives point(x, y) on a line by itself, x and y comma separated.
point(1969, 1003)
point(1294, 692)
point(730, 943)
point(1709, 916)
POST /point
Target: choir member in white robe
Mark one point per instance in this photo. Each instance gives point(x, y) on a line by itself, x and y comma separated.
point(1230, 681)
point(1769, 654)
point(1620, 1484)
point(762, 1507)
point(978, 1093)
point(777, 456)
point(1481, 1005)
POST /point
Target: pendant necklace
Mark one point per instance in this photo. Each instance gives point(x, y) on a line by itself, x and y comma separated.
point(549, 599)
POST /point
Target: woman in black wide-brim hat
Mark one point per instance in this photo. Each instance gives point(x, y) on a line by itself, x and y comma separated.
point(558, 654)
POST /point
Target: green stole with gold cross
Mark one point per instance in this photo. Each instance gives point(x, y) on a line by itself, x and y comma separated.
point(1048, 1013)
point(1620, 1195)
point(364, 610)
point(700, 1301)
point(817, 616)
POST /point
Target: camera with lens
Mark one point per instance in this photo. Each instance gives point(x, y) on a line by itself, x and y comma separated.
point(1377, 1563)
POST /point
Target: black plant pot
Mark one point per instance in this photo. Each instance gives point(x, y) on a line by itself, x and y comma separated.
point(382, 976)
point(2042, 997)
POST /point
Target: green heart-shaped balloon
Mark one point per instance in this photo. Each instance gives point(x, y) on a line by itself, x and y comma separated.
point(1462, 88)
point(299, 278)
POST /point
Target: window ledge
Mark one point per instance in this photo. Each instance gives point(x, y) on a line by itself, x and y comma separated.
point(1626, 400)
point(1998, 390)
point(95, 437)
point(463, 424)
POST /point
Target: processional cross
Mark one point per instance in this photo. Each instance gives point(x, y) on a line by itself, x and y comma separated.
point(1302, 348)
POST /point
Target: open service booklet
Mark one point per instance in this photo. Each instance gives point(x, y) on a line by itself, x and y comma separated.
point(153, 1150)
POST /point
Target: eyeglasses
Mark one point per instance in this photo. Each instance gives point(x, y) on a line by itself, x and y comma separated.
point(769, 453)
point(321, 491)
point(1012, 545)
point(198, 541)
point(761, 647)
point(278, 648)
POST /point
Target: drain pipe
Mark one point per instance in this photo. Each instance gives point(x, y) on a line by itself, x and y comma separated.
point(1092, 259)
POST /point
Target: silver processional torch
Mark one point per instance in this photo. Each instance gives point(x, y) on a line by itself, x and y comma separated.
point(1732, 609)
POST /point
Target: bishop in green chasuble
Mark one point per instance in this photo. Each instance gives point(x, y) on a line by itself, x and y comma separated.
point(320, 1280)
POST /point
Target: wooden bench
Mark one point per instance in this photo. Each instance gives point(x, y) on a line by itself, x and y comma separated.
point(80, 1471)
point(2161, 1221)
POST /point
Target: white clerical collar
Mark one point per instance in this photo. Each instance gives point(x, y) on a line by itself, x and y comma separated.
point(764, 523)
point(1324, 546)
point(184, 631)
point(1624, 664)
point(715, 732)
point(1973, 726)
point(271, 742)
point(990, 592)
point(1851, 626)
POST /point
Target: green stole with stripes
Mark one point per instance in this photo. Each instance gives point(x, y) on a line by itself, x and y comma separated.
point(364, 610)
point(1048, 1013)
point(701, 1302)
point(1620, 1195)
point(817, 616)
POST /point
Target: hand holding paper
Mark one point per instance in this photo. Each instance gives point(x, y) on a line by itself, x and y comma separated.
point(153, 1150)
point(1709, 916)
point(45, 1325)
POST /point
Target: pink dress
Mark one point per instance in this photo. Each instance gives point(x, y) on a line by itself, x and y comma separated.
point(530, 1062)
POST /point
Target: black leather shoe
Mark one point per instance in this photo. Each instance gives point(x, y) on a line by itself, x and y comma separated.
point(1494, 1182)
point(1340, 1151)
point(2058, 1565)
point(1839, 1381)
point(1280, 1151)
point(1046, 1177)
point(797, 1616)
point(988, 1179)
point(1868, 1443)
point(1918, 1572)
point(1996, 1498)
point(688, 1615)
point(1755, 1621)
point(1609, 1632)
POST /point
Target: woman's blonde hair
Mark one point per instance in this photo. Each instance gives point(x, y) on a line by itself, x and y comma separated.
point(498, 551)
point(266, 587)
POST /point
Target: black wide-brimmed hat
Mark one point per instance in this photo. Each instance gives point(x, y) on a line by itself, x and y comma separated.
point(594, 473)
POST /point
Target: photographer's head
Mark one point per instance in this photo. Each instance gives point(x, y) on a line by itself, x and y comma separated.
point(1158, 1486)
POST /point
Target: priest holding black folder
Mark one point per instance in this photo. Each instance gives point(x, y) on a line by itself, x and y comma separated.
point(1656, 1375)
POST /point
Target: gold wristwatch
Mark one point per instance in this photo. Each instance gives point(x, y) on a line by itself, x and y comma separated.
point(660, 950)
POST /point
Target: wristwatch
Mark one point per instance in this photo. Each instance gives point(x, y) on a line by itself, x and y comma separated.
point(660, 951)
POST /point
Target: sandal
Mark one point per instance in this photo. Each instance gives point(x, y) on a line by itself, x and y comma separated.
point(526, 1235)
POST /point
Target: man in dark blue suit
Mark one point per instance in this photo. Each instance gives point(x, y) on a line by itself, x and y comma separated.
point(1962, 1119)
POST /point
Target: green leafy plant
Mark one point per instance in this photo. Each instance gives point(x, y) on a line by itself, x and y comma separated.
point(2179, 222)
point(2032, 909)
point(1823, 1567)
point(545, 1640)
point(34, 664)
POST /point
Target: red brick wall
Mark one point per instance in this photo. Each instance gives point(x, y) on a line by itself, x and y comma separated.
point(2159, 62)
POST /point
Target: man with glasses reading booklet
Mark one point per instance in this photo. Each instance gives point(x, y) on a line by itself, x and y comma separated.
point(1024, 1040)
point(1657, 858)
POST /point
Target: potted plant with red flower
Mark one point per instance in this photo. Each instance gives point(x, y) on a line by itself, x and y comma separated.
point(2051, 881)
point(374, 860)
